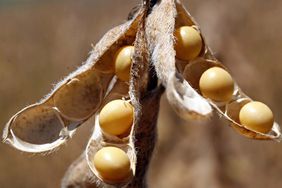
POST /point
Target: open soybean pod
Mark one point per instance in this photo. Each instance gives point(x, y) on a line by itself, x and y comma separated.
point(230, 101)
point(44, 126)
point(97, 142)
point(115, 146)
point(160, 31)
point(228, 109)
point(201, 65)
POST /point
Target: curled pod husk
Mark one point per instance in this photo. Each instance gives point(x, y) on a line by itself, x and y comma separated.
point(181, 77)
point(192, 71)
point(97, 142)
point(44, 126)
point(132, 93)
point(229, 110)
point(160, 32)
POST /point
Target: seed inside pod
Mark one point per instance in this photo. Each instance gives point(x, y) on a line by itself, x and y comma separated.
point(256, 116)
point(188, 43)
point(123, 62)
point(217, 84)
point(112, 164)
point(116, 117)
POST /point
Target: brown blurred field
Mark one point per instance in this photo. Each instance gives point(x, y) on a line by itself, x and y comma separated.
point(42, 41)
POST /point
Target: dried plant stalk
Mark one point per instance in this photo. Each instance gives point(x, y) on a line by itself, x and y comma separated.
point(146, 135)
point(79, 175)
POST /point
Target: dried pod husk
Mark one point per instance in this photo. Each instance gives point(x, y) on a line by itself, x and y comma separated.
point(99, 139)
point(44, 126)
point(182, 76)
point(185, 100)
point(97, 142)
point(192, 72)
point(137, 88)
point(142, 137)
point(232, 110)
point(37, 128)
point(183, 18)
point(80, 97)
point(160, 33)
point(118, 90)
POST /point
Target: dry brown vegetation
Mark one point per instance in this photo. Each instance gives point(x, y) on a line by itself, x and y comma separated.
point(42, 41)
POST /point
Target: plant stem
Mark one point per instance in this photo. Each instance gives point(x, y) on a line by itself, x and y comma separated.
point(150, 4)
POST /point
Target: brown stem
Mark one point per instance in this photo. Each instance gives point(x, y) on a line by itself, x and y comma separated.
point(146, 135)
point(79, 175)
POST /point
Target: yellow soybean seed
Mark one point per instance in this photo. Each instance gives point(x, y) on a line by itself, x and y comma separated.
point(256, 116)
point(112, 164)
point(116, 117)
point(217, 84)
point(188, 43)
point(123, 61)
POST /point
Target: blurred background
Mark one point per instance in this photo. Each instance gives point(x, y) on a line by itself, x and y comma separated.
point(41, 41)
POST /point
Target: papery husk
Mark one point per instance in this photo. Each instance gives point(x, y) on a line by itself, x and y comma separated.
point(160, 33)
point(137, 89)
point(96, 143)
point(88, 84)
point(195, 68)
point(180, 77)
point(231, 113)
point(184, 18)
point(117, 90)
point(80, 175)
point(142, 138)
